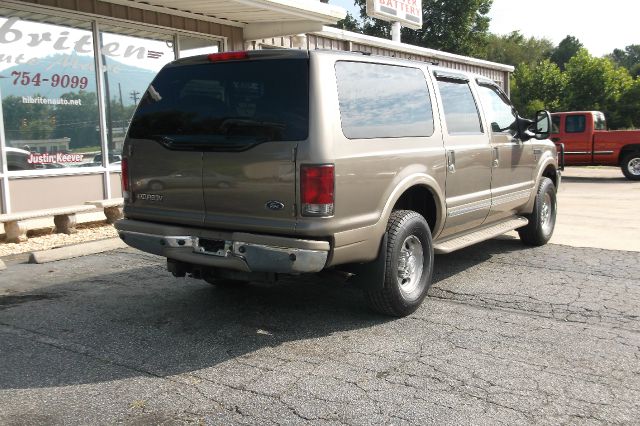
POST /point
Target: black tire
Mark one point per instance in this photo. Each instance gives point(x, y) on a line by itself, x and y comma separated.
point(630, 165)
point(409, 237)
point(542, 220)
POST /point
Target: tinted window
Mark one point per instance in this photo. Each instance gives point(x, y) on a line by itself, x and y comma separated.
point(226, 105)
point(460, 110)
point(382, 101)
point(499, 110)
point(555, 124)
point(574, 124)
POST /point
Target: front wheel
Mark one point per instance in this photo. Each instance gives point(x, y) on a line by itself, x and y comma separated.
point(409, 265)
point(542, 220)
point(630, 165)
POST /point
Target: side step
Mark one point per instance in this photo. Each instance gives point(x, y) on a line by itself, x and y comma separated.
point(485, 233)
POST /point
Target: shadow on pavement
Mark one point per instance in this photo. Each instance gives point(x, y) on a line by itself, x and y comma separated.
point(142, 322)
point(618, 180)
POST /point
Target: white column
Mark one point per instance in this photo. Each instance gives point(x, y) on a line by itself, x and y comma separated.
point(395, 31)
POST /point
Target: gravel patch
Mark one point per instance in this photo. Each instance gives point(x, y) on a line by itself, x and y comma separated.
point(46, 239)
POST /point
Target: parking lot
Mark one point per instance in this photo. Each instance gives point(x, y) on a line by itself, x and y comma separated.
point(509, 334)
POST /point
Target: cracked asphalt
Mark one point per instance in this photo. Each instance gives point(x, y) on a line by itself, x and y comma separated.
point(509, 335)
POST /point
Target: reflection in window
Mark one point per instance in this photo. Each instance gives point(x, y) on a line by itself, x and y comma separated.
point(555, 124)
point(131, 63)
point(229, 105)
point(380, 101)
point(49, 101)
point(460, 111)
point(574, 123)
point(193, 46)
point(498, 110)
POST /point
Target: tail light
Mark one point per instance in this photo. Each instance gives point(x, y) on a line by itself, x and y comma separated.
point(227, 56)
point(125, 177)
point(317, 188)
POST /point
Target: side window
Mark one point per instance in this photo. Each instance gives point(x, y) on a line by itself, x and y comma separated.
point(383, 101)
point(499, 110)
point(555, 124)
point(460, 110)
point(575, 124)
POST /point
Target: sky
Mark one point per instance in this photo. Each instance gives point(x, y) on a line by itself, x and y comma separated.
point(600, 26)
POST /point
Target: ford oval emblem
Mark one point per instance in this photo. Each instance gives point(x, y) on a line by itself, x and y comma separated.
point(275, 205)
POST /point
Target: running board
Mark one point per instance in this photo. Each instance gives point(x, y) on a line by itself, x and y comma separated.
point(488, 232)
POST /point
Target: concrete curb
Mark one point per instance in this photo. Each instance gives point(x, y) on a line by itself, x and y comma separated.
point(2, 265)
point(77, 250)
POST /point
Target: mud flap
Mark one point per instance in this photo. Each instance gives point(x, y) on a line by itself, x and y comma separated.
point(370, 276)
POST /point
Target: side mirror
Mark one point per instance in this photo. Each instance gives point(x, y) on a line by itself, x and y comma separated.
point(542, 126)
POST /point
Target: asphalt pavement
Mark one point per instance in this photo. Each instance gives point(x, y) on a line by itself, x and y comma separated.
point(509, 335)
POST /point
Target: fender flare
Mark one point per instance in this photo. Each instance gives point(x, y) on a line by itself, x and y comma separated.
point(542, 166)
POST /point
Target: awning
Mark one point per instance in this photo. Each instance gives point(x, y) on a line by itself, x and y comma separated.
point(258, 18)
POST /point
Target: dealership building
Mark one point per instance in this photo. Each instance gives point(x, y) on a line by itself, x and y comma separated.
point(73, 71)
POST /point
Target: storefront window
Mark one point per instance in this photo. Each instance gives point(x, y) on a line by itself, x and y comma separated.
point(48, 92)
point(131, 63)
point(192, 46)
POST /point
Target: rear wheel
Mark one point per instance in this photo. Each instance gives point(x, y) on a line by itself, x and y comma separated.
point(542, 220)
point(409, 265)
point(630, 165)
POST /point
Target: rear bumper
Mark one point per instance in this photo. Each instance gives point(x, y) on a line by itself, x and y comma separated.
point(234, 250)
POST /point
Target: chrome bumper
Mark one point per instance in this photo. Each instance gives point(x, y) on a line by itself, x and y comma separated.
point(232, 254)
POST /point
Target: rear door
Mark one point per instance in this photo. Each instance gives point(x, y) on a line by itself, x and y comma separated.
point(213, 142)
point(252, 184)
point(468, 185)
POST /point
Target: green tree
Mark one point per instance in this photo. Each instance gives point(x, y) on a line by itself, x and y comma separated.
point(628, 58)
point(456, 26)
point(597, 84)
point(514, 48)
point(540, 86)
point(627, 112)
point(349, 23)
point(567, 49)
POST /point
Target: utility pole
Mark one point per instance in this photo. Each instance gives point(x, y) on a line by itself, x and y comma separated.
point(134, 96)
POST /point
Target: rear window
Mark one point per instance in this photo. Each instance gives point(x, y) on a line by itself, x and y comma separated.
point(575, 123)
point(226, 105)
point(599, 122)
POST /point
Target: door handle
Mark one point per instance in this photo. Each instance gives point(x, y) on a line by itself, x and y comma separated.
point(451, 161)
point(496, 157)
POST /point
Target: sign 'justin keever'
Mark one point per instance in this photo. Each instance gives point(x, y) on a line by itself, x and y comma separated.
point(407, 12)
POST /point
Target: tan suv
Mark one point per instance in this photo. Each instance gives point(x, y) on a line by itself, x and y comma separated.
point(241, 166)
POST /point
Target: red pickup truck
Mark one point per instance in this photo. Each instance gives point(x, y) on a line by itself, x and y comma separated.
point(588, 143)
